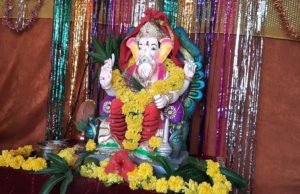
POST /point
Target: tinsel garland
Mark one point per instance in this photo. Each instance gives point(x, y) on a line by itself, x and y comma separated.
point(153, 4)
point(111, 16)
point(21, 23)
point(282, 13)
point(59, 64)
point(171, 9)
point(188, 9)
point(197, 23)
point(80, 14)
point(206, 15)
point(139, 7)
point(92, 72)
point(126, 22)
point(243, 96)
point(209, 25)
point(79, 70)
point(221, 109)
point(87, 42)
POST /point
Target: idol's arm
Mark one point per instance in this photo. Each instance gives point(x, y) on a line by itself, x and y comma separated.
point(106, 76)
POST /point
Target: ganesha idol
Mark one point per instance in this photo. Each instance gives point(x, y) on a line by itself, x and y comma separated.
point(151, 96)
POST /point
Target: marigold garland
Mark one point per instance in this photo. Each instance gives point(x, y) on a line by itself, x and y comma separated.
point(175, 183)
point(16, 159)
point(142, 177)
point(69, 155)
point(90, 145)
point(136, 102)
point(155, 142)
point(91, 170)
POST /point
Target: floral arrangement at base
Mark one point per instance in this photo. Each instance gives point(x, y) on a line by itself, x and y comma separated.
point(19, 159)
point(193, 176)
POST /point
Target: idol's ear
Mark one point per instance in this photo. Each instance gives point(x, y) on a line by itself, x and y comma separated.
point(166, 45)
point(133, 46)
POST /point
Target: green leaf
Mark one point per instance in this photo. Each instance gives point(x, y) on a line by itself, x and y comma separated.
point(64, 185)
point(136, 84)
point(51, 182)
point(81, 157)
point(198, 164)
point(58, 161)
point(183, 171)
point(165, 163)
point(61, 167)
point(114, 44)
point(100, 48)
point(236, 180)
point(96, 45)
point(91, 160)
point(50, 170)
point(188, 171)
point(98, 57)
point(115, 48)
point(108, 46)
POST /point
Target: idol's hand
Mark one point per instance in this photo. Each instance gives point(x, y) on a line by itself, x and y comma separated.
point(106, 73)
point(161, 101)
point(189, 69)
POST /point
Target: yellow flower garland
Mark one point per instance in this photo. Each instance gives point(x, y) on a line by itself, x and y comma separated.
point(155, 142)
point(69, 155)
point(135, 103)
point(90, 145)
point(142, 177)
point(91, 170)
point(16, 159)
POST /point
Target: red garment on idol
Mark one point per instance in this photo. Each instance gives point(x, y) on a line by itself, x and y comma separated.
point(118, 126)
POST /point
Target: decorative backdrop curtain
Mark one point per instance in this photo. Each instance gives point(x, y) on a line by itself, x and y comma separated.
point(24, 83)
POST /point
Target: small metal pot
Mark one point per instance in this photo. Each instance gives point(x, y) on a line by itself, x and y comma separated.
point(51, 146)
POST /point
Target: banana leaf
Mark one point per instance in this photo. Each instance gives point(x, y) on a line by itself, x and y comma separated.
point(164, 162)
point(58, 161)
point(82, 156)
point(188, 172)
point(51, 182)
point(97, 57)
point(109, 46)
point(52, 169)
point(100, 48)
point(198, 164)
point(237, 180)
point(68, 179)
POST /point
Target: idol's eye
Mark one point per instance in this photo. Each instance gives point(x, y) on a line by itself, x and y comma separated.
point(154, 48)
point(140, 46)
